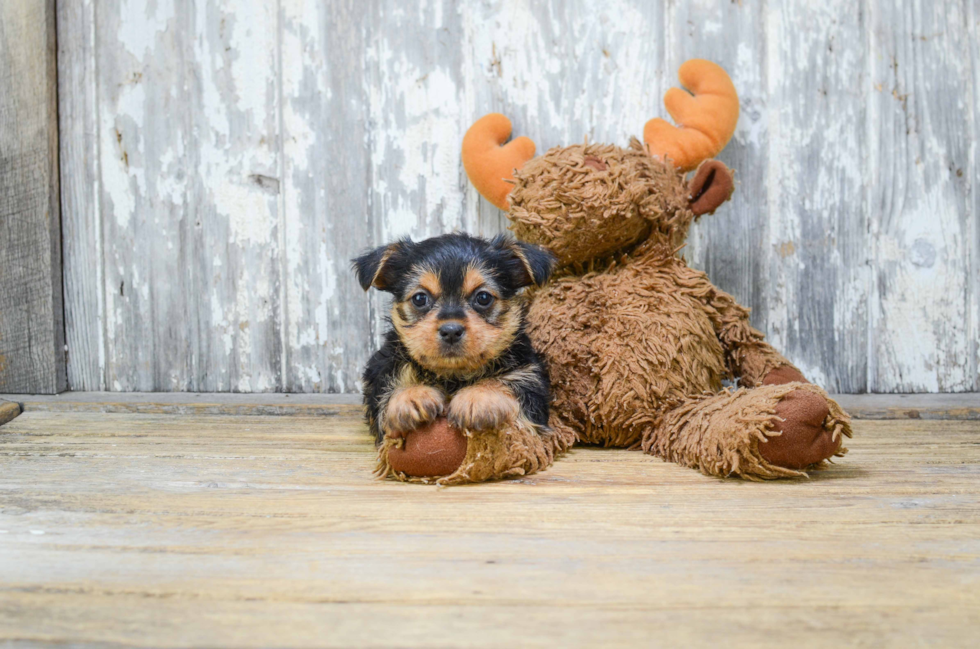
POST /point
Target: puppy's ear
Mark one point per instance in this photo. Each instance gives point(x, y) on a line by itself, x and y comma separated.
point(375, 268)
point(528, 263)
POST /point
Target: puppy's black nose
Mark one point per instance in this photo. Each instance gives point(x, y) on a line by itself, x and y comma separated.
point(451, 332)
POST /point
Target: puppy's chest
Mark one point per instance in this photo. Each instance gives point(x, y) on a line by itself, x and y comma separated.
point(451, 385)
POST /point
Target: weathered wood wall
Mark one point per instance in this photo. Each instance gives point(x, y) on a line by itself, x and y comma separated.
point(223, 160)
point(32, 332)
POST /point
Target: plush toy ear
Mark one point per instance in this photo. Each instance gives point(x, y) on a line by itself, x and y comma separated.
point(374, 268)
point(529, 264)
point(712, 185)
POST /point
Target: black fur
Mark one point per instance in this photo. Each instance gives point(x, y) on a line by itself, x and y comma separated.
point(530, 265)
point(368, 265)
point(512, 265)
point(386, 363)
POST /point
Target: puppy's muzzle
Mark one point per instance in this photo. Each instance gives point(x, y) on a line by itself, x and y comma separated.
point(451, 333)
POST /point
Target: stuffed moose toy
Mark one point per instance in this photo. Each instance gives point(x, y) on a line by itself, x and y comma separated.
point(637, 343)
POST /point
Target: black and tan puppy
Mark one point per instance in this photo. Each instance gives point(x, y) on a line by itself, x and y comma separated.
point(457, 346)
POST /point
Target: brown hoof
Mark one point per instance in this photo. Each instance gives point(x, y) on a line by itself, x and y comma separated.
point(804, 440)
point(434, 450)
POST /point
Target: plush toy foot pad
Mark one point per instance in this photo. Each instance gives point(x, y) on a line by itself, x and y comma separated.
point(784, 374)
point(435, 450)
point(804, 440)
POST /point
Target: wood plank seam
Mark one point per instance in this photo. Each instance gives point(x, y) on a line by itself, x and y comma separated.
point(872, 407)
point(32, 345)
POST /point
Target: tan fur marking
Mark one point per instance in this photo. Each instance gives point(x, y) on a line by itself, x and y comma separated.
point(525, 376)
point(430, 282)
point(488, 341)
point(406, 378)
point(482, 343)
point(384, 260)
point(487, 405)
point(411, 407)
point(473, 280)
point(527, 265)
point(421, 339)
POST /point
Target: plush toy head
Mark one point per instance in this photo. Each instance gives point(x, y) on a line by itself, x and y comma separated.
point(586, 201)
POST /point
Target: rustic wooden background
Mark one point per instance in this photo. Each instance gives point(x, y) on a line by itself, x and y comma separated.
point(32, 330)
point(222, 160)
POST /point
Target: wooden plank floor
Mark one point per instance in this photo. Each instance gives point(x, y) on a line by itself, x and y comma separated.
point(196, 530)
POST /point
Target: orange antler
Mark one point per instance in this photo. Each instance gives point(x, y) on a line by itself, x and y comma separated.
point(488, 164)
point(705, 122)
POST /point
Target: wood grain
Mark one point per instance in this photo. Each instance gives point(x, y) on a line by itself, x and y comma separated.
point(973, 204)
point(230, 157)
point(32, 357)
point(965, 405)
point(83, 263)
point(187, 201)
point(232, 240)
point(327, 212)
point(922, 177)
point(818, 250)
point(186, 403)
point(152, 530)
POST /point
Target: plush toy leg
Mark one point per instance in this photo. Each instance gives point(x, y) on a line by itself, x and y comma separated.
point(773, 431)
point(518, 449)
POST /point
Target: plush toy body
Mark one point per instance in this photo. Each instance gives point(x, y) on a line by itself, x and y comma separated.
point(638, 343)
point(638, 347)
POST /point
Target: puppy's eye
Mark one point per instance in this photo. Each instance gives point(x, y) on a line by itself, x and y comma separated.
point(420, 300)
point(483, 299)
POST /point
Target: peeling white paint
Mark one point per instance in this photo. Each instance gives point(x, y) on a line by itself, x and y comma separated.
point(225, 198)
point(249, 211)
point(142, 23)
point(419, 143)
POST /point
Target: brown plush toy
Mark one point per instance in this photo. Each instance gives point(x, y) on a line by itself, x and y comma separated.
point(637, 342)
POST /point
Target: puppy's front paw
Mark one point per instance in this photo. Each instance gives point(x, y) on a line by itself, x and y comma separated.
point(411, 408)
point(484, 406)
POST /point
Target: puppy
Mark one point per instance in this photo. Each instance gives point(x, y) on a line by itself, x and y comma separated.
point(456, 346)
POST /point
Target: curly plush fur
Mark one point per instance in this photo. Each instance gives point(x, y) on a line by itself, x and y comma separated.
point(638, 343)
point(580, 213)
